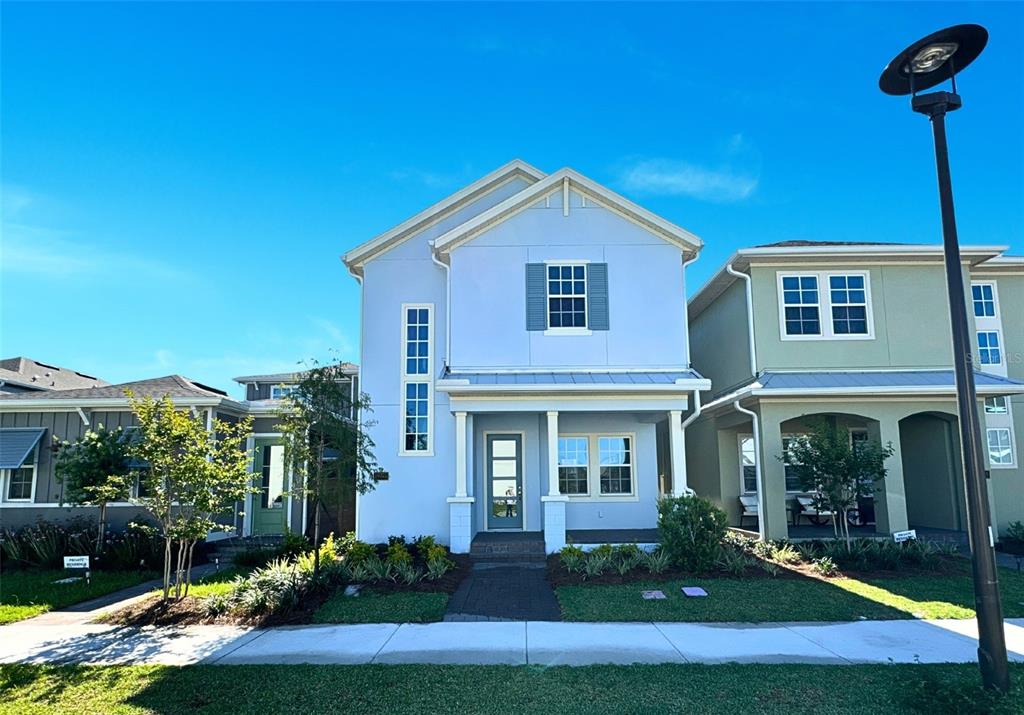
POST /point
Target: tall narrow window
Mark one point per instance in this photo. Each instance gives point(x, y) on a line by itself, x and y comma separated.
point(616, 464)
point(789, 465)
point(849, 305)
point(1000, 448)
point(988, 347)
point(567, 296)
point(416, 379)
point(573, 462)
point(748, 464)
point(984, 300)
point(801, 305)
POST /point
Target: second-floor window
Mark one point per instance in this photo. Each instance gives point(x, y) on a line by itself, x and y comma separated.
point(988, 347)
point(984, 299)
point(278, 392)
point(995, 406)
point(417, 379)
point(824, 305)
point(567, 296)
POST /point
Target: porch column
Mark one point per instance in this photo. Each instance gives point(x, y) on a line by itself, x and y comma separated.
point(890, 494)
point(774, 502)
point(460, 506)
point(677, 450)
point(554, 501)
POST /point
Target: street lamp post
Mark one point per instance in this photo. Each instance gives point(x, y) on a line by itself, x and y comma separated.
point(925, 64)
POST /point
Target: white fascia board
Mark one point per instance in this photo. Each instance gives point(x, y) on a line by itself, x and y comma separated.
point(456, 387)
point(982, 253)
point(511, 206)
point(100, 403)
point(358, 255)
point(858, 393)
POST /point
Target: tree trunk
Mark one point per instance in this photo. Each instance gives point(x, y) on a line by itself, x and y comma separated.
point(188, 570)
point(102, 528)
point(316, 538)
point(167, 567)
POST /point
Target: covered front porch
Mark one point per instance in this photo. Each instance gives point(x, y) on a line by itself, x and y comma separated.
point(562, 453)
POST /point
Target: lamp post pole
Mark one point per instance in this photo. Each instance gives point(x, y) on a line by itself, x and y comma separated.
point(991, 639)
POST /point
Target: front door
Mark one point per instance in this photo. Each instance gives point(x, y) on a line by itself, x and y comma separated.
point(505, 481)
point(268, 505)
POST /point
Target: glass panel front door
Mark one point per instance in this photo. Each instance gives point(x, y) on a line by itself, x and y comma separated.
point(505, 481)
point(268, 512)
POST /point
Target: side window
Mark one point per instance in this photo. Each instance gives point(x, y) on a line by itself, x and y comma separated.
point(567, 296)
point(989, 347)
point(417, 379)
point(984, 299)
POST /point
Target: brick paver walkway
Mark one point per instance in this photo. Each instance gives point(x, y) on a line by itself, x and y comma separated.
point(513, 592)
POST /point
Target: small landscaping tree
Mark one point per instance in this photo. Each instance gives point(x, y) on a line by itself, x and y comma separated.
point(691, 529)
point(192, 475)
point(94, 471)
point(325, 444)
point(837, 473)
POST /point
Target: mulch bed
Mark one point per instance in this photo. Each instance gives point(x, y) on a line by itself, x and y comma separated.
point(189, 611)
point(558, 576)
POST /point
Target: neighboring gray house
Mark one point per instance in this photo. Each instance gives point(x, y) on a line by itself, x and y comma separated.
point(29, 422)
point(273, 509)
point(22, 374)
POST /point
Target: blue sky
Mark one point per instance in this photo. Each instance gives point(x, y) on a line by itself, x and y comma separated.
point(179, 179)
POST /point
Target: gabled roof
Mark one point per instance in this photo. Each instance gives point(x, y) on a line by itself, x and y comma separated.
point(175, 386)
point(575, 181)
point(34, 375)
point(286, 377)
point(410, 227)
point(798, 252)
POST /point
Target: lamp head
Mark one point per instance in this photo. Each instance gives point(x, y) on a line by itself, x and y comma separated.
point(933, 59)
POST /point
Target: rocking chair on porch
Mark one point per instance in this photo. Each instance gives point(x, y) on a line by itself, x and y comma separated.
point(806, 508)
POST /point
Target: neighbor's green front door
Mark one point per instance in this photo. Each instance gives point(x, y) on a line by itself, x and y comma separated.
point(505, 481)
point(268, 507)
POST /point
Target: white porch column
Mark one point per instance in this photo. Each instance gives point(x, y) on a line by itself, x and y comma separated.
point(554, 502)
point(677, 450)
point(460, 506)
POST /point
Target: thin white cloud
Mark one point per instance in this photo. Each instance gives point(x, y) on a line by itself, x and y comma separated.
point(669, 177)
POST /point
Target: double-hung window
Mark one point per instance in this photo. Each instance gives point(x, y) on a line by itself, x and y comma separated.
point(825, 305)
point(20, 482)
point(748, 464)
point(616, 464)
point(1000, 447)
point(984, 299)
point(417, 380)
point(989, 347)
point(567, 296)
point(573, 465)
point(995, 406)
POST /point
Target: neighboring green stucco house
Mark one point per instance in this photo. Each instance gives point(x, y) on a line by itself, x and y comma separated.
point(857, 333)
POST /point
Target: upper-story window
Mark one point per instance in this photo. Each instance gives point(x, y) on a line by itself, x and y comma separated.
point(417, 380)
point(984, 298)
point(279, 392)
point(989, 347)
point(567, 296)
point(995, 406)
point(824, 305)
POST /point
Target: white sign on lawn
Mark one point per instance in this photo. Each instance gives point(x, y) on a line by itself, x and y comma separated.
point(76, 562)
point(900, 536)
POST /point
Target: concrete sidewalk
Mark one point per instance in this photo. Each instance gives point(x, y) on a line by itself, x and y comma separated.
point(533, 642)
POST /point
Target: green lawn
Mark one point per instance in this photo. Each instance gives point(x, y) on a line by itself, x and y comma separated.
point(28, 593)
point(785, 599)
point(218, 582)
point(378, 607)
point(395, 689)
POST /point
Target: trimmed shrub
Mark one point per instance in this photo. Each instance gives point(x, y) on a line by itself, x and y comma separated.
point(691, 530)
point(656, 561)
point(573, 558)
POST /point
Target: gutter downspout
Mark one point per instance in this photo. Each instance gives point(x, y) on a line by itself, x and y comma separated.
point(750, 314)
point(359, 378)
point(686, 327)
point(686, 423)
point(757, 467)
point(447, 305)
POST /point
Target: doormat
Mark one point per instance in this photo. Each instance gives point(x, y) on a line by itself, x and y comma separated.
point(653, 595)
point(694, 592)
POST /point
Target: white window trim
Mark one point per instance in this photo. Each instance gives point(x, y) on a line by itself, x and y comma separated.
point(594, 469)
point(5, 480)
point(1006, 405)
point(825, 305)
point(1001, 348)
point(279, 387)
point(407, 379)
point(995, 300)
point(1013, 452)
point(739, 453)
point(573, 330)
point(590, 490)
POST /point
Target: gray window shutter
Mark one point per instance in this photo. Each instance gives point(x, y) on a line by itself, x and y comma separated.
point(536, 296)
point(597, 296)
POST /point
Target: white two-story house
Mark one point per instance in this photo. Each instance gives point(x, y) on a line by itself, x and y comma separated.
point(524, 348)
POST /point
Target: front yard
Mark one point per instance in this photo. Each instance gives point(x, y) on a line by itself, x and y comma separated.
point(867, 689)
point(30, 592)
point(788, 598)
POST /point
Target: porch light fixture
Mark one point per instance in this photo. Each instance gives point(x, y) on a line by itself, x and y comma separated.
point(929, 62)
